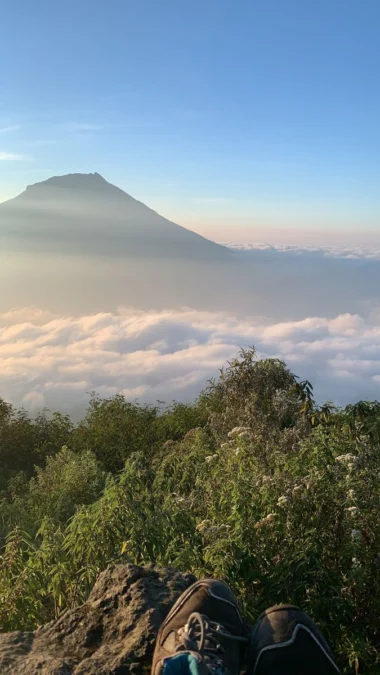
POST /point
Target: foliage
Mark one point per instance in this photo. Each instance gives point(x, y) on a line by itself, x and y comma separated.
point(254, 483)
point(25, 442)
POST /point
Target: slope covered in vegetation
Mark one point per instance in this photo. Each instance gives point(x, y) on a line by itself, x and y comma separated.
point(254, 483)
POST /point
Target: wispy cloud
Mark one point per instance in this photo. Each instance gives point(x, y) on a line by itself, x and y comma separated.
point(6, 130)
point(14, 157)
point(72, 127)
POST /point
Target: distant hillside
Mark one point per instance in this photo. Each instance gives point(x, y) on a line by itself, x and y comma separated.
point(84, 212)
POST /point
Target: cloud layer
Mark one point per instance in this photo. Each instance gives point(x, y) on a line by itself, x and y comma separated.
point(348, 252)
point(48, 360)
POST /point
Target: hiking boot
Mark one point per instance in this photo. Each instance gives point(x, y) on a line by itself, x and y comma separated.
point(203, 628)
point(285, 641)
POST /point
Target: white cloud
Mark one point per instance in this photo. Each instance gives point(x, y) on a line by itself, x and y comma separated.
point(56, 360)
point(6, 130)
point(348, 252)
point(13, 156)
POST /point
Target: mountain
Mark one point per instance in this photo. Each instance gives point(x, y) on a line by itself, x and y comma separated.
point(77, 244)
point(84, 213)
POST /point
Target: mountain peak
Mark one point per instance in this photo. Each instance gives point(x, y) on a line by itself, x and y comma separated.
point(74, 181)
point(83, 209)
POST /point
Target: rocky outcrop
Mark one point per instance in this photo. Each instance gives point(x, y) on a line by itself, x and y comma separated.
point(113, 633)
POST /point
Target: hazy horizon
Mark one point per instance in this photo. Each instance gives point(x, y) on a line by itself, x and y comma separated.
point(346, 235)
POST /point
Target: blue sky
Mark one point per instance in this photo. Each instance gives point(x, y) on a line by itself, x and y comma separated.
point(228, 117)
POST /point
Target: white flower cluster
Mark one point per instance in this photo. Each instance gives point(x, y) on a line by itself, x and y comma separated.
point(266, 520)
point(241, 432)
point(353, 510)
point(244, 434)
point(349, 460)
point(180, 500)
point(211, 458)
point(282, 501)
point(206, 526)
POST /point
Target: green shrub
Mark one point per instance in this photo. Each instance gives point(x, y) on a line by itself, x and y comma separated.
point(254, 483)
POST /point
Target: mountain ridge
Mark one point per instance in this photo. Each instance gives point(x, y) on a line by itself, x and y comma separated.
point(86, 211)
point(88, 180)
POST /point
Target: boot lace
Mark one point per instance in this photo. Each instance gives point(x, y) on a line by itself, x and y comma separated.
point(201, 637)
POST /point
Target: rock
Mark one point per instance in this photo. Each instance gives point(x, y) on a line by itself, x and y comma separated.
point(113, 633)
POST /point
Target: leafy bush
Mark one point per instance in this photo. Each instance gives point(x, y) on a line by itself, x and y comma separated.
point(253, 483)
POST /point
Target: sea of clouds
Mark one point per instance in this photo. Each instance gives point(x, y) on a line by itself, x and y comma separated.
point(55, 361)
point(347, 252)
